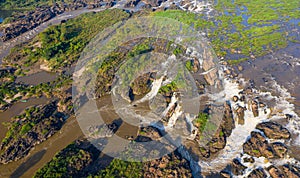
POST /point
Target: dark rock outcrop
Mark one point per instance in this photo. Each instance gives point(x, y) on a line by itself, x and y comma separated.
point(29, 20)
point(131, 3)
point(154, 3)
point(235, 98)
point(275, 172)
point(257, 173)
point(273, 130)
point(43, 123)
point(172, 165)
point(254, 107)
point(249, 159)
point(241, 115)
point(142, 84)
point(280, 149)
point(291, 170)
point(258, 146)
point(217, 143)
point(225, 174)
point(237, 167)
point(228, 121)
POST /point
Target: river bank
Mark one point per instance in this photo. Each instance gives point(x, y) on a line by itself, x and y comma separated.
point(27, 167)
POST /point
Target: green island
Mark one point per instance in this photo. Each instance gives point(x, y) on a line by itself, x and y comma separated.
point(78, 158)
point(60, 46)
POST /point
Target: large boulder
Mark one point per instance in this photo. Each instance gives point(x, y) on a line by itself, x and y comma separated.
point(237, 167)
point(258, 146)
point(217, 143)
point(273, 130)
point(275, 172)
point(228, 121)
point(257, 173)
point(142, 84)
point(241, 115)
point(291, 171)
point(280, 149)
point(254, 107)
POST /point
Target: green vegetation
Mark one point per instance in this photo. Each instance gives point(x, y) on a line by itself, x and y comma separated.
point(178, 51)
point(221, 133)
point(121, 168)
point(171, 87)
point(16, 129)
point(140, 49)
point(25, 128)
point(129, 69)
point(67, 162)
point(235, 62)
point(189, 65)
point(247, 28)
point(186, 17)
point(60, 46)
point(201, 121)
point(11, 92)
point(77, 159)
point(256, 151)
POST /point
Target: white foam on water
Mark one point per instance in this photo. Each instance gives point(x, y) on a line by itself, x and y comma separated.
point(193, 129)
point(171, 104)
point(260, 162)
point(241, 133)
point(172, 121)
point(284, 106)
point(156, 84)
point(265, 163)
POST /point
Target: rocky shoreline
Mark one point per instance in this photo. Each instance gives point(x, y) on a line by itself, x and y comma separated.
point(269, 141)
point(26, 21)
point(32, 127)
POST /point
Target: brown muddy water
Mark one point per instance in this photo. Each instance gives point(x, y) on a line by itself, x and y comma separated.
point(43, 152)
point(279, 74)
point(15, 110)
point(37, 78)
point(107, 112)
point(281, 68)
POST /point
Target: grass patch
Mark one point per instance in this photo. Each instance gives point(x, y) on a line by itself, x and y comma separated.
point(201, 121)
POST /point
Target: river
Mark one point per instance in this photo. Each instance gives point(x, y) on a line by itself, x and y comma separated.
point(274, 72)
point(43, 152)
point(71, 131)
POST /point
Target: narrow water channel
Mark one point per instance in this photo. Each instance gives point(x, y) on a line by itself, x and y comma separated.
point(15, 110)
